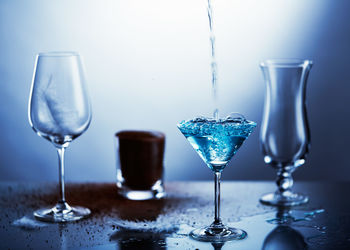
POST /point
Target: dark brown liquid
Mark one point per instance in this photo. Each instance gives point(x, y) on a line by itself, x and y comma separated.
point(141, 158)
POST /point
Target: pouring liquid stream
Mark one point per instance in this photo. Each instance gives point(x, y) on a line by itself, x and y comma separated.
point(213, 62)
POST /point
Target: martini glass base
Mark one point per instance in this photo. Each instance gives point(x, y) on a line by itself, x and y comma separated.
point(225, 234)
point(52, 215)
point(289, 199)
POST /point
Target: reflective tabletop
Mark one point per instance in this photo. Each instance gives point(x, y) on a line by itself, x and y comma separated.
point(116, 223)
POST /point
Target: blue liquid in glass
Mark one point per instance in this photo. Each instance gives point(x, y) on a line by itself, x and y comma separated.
point(216, 141)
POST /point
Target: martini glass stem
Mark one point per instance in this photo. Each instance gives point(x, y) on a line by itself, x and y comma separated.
point(217, 219)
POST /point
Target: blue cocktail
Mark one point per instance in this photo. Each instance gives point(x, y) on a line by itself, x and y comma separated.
point(216, 141)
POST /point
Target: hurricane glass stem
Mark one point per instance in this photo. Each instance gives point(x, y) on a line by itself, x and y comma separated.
point(284, 181)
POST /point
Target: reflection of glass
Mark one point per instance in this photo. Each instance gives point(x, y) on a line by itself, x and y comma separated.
point(139, 226)
point(216, 141)
point(132, 239)
point(59, 111)
point(284, 236)
point(217, 245)
point(284, 133)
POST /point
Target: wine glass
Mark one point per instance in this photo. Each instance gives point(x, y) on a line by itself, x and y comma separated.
point(59, 111)
point(285, 136)
point(216, 141)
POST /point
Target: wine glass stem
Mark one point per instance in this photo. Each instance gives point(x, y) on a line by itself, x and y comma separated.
point(60, 151)
point(217, 198)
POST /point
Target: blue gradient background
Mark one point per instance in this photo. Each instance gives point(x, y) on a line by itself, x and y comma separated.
point(148, 66)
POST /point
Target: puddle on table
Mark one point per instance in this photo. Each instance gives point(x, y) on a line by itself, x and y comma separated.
point(265, 231)
point(298, 229)
point(285, 215)
point(122, 224)
point(29, 223)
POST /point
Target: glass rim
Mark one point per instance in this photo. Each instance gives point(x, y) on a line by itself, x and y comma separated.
point(286, 63)
point(246, 121)
point(58, 54)
point(140, 135)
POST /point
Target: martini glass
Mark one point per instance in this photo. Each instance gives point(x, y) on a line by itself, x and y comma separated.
point(216, 141)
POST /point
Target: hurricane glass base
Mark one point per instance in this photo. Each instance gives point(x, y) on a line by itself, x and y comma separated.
point(66, 215)
point(287, 199)
point(222, 234)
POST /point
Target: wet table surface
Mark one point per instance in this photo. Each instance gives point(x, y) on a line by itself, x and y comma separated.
point(116, 223)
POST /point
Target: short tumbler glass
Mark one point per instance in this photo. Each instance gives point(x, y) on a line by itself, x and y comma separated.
point(140, 164)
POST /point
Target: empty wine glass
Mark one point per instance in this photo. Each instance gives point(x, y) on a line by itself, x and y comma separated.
point(285, 136)
point(59, 111)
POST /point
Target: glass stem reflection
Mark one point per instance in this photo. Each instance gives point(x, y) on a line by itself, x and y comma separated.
point(60, 151)
point(217, 198)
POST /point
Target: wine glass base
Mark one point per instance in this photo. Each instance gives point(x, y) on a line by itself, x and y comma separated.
point(226, 234)
point(291, 199)
point(50, 215)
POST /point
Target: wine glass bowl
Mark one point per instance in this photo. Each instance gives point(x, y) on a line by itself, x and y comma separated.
point(59, 111)
point(59, 108)
point(285, 136)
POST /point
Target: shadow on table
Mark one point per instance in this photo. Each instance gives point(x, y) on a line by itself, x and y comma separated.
point(103, 198)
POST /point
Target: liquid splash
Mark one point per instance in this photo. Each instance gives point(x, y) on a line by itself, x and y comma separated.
point(216, 114)
point(286, 217)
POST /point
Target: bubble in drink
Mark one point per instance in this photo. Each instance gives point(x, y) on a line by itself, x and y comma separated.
point(216, 141)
